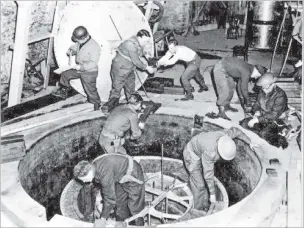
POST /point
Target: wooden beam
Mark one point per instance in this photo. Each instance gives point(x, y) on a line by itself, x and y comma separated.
point(12, 148)
point(21, 47)
point(34, 40)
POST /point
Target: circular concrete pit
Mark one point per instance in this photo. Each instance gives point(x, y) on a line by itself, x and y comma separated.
point(47, 167)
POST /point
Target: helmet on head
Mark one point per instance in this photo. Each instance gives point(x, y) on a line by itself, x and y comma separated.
point(261, 69)
point(226, 147)
point(266, 79)
point(135, 98)
point(80, 33)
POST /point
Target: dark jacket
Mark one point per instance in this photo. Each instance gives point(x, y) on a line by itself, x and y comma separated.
point(109, 170)
point(271, 105)
point(240, 70)
point(131, 49)
point(204, 145)
point(121, 119)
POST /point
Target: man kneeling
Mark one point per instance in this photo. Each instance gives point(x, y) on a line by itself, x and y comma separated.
point(121, 182)
point(270, 105)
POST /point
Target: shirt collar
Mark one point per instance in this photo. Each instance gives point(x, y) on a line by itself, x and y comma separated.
point(81, 45)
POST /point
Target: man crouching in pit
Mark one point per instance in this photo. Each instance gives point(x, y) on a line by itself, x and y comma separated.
point(122, 119)
point(121, 182)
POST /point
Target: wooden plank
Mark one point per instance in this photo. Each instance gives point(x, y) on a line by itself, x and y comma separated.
point(34, 40)
point(12, 148)
point(48, 60)
point(21, 47)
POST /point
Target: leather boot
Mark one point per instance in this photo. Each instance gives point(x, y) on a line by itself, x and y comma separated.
point(222, 113)
point(203, 87)
point(62, 92)
point(229, 108)
point(110, 105)
point(188, 96)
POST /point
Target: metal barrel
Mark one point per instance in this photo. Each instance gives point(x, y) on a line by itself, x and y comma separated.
point(263, 24)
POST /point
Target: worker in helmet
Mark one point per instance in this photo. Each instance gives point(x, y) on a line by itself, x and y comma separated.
point(178, 52)
point(225, 72)
point(87, 52)
point(271, 103)
point(121, 182)
point(200, 154)
point(123, 65)
point(122, 119)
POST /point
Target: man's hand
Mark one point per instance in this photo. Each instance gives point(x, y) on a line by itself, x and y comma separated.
point(141, 125)
point(151, 70)
point(212, 198)
point(69, 52)
point(76, 67)
point(257, 113)
point(253, 121)
point(100, 222)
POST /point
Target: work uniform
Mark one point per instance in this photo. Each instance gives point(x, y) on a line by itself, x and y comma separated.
point(200, 154)
point(227, 70)
point(123, 66)
point(120, 120)
point(271, 105)
point(122, 185)
point(87, 56)
point(192, 70)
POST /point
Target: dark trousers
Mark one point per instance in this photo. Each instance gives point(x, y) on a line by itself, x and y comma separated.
point(224, 85)
point(196, 181)
point(88, 80)
point(122, 77)
point(130, 197)
point(268, 131)
point(192, 71)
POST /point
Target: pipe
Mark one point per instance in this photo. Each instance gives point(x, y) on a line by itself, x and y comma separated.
point(162, 167)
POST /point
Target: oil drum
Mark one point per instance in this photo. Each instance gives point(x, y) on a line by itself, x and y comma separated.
point(263, 24)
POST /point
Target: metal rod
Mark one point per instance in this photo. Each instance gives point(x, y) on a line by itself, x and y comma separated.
point(286, 198)
point(153, 186)
point(115, 27)
point(162, 167)
point(149, 216)
point(288, 49)
point(278, 38)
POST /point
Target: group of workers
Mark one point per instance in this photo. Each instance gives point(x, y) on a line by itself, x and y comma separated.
point(119, 175)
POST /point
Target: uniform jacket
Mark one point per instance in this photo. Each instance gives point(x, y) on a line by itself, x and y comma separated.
point(108, 171)
point(87, 55)
point(121, 119)
point(240, 70)
point(204, 145)
point(271, 105)
point(132, 50)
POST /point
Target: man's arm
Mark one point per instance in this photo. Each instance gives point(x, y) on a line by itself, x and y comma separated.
point(92, 61)
point(106, 181)
point(276, 110)
point(237, 133)
point(209, 174)
point(173, 60)
point(256, 107)
point(136, 132)
point(133, 54)
point(73, 49)
point(165, 58)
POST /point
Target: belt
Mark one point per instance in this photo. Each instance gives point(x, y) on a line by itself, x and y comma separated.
point(110, 135)
point(128, 176)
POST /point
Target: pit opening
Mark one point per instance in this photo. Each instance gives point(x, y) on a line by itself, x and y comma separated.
point(47, 167)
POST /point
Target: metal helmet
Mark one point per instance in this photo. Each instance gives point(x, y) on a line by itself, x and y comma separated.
point(80, 33)
point(226, 147)
point(266, 79)
point(261, 69)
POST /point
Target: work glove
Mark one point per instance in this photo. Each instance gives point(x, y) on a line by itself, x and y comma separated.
point(151, 70)
point(100, 222)
point(257, 113)
point(212, 198)
point(141, 125)
point(76, 67)
point(253, 121)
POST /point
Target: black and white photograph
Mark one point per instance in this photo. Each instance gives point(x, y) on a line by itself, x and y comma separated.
point(151, 113)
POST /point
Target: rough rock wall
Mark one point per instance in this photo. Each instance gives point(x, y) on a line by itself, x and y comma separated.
point(42, 18)
point(176, 15)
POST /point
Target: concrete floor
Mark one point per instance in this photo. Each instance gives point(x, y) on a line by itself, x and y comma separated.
point(202, 103)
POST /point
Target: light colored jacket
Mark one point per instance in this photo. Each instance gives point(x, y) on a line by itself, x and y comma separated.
point(87, 56)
